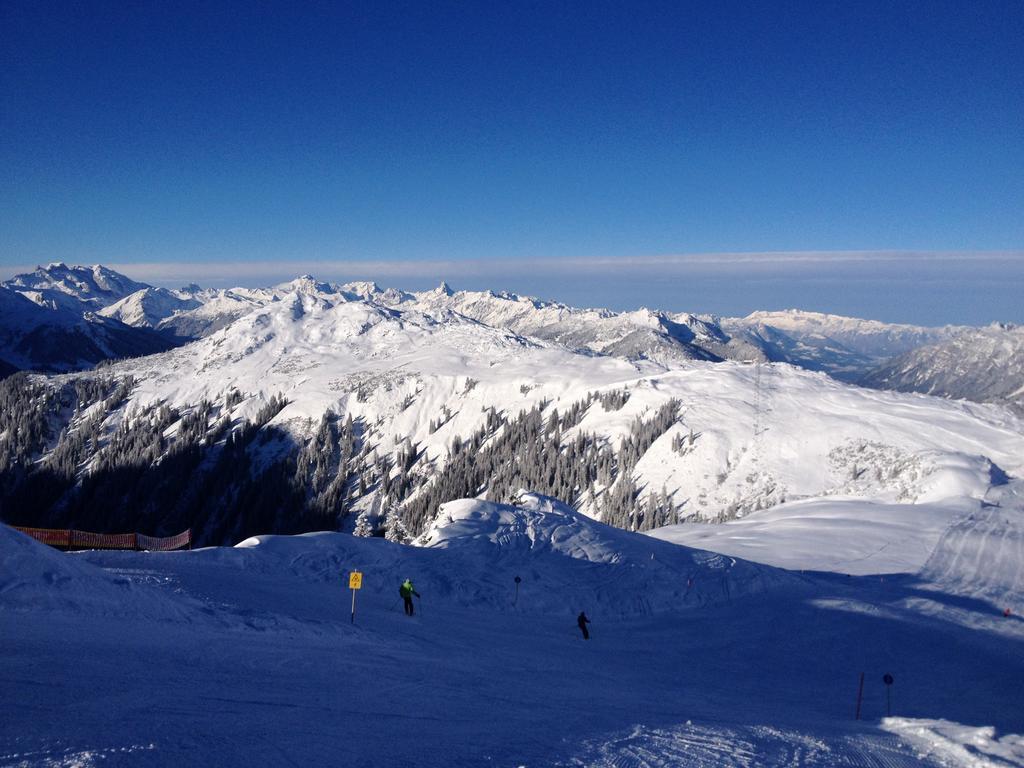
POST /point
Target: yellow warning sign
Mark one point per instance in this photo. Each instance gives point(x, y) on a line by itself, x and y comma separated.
point(355, 580)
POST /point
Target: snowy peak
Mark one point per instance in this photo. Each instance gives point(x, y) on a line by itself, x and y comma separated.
point(370, 291)
point(302, 329)
point(306, 284)
point(443, 290)
point(87, 288)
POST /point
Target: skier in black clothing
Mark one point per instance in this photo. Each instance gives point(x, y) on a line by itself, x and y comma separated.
point(582, 620)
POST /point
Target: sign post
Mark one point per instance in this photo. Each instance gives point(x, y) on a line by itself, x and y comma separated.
point(355, 582)
point(888, 680)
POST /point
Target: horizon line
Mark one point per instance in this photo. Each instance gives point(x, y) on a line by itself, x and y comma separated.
point(705, 263)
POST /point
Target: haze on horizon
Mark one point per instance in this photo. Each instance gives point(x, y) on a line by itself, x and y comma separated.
point(855, 159)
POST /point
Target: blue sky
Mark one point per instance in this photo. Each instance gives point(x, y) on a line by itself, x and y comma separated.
point(592, 152)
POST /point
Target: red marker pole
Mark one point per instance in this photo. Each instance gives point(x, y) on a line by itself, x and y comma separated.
point(860, 695)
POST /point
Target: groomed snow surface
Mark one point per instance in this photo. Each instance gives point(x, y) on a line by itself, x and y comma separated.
point(246, 656)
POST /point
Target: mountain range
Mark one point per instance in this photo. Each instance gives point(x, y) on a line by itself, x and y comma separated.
point(310, 405)
point(846, 348)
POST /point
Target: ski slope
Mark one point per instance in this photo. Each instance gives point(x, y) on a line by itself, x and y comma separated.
point(853, 536)
point(247, 656)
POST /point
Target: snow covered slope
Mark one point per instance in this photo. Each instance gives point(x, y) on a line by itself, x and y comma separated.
point(34, 578)
point(981, 553)
point(984, 364)
point(842, 535)
point(147, 307)
point(252, 658)
point(538, 529)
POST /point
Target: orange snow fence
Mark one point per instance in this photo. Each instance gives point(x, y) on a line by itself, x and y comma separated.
point(85, 540)
point(166, 544)
point(53, 537)
point(71, 539)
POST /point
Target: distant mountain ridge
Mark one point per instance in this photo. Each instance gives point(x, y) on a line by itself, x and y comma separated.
point(983, 364)
point(75, 316)
point(844, 347)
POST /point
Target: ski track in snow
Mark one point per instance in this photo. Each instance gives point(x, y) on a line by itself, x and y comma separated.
point(707, 746)
point(982, 553)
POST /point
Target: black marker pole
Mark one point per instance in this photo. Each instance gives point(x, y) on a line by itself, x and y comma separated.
point(888, 680)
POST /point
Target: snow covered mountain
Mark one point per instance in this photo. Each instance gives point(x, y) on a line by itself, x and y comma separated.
point(325, 408)
point(844, 347)
point(510, 444)
point(57, 338)
point(983, 364)
point(59, 318)
point(146, 308)
point(218, 308)
point(639, 335)
point(82, 289)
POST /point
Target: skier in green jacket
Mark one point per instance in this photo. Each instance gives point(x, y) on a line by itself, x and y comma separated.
point(407, 591)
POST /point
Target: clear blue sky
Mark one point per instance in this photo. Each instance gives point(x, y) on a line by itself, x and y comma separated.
point(505, 134)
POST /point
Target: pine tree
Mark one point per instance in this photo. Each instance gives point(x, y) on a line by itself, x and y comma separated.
point(394, 528)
